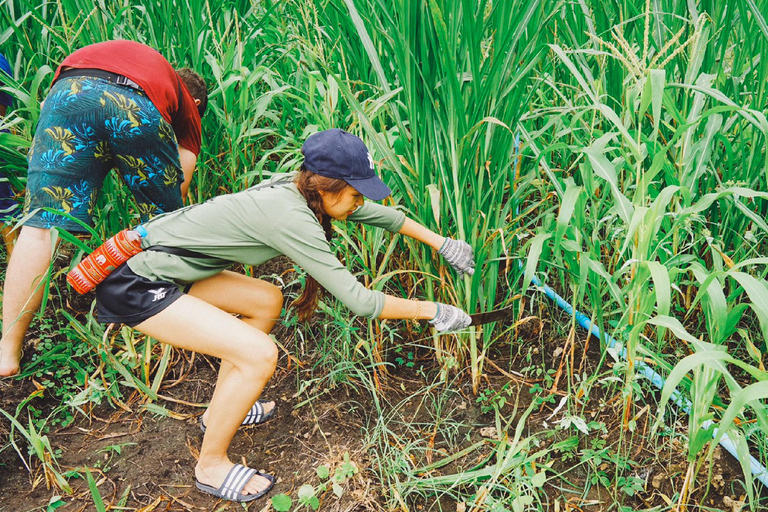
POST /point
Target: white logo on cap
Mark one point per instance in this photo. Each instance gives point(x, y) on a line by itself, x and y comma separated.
point(370, 159)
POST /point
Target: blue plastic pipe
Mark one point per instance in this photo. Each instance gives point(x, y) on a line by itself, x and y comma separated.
point(758, 470)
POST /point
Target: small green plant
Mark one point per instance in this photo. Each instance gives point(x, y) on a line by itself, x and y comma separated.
point(491, 400)
point(406, 361)
point(54, 503)
point(109, 453)
point(600, 477)
point(308, 495)
point(281, 503)
point(629, 485)
point(595, 459)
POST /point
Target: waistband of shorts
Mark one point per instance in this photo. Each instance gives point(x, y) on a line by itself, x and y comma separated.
point(100, 73)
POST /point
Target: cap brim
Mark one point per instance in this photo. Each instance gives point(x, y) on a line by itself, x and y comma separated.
point(372, 188)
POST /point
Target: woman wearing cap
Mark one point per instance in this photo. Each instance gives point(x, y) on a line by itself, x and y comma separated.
point(290, 214)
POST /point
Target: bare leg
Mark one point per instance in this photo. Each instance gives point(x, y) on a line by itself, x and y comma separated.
point(257, 302)
point(193, 324)
point(23, 293)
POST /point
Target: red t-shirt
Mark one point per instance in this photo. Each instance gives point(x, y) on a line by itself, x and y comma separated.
point(155, 75)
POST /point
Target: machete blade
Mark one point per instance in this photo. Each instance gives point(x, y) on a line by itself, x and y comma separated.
point(491, 316)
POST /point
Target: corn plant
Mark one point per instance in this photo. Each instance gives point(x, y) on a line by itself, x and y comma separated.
point(660, 162)
point(709, 364)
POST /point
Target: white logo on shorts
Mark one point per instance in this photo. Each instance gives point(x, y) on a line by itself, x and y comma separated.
point(159, 294)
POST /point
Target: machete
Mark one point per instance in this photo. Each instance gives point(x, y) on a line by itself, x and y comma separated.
point(491, 316)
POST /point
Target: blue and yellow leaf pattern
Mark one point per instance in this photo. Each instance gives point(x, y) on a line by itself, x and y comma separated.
point(87, 127)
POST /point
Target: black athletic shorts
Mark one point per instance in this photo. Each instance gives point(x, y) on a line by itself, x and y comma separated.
point(124, 297)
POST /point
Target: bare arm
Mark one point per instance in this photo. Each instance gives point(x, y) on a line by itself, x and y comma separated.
point(418, 232)
point(188, 161)
point(395, 307)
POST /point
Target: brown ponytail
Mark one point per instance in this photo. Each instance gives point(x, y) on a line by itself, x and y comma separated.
point(310, 185)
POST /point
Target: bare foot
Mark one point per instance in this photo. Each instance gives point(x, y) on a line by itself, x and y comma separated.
point(268, 407)
point(215, 474)
point(9, 364)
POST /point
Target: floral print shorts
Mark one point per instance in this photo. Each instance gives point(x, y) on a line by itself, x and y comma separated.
point(87, 127)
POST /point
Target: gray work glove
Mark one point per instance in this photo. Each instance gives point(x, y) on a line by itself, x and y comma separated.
point(450, 318)
point(459, 254)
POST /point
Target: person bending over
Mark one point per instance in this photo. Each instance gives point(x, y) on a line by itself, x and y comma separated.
point(113, 104)
point(178, 289)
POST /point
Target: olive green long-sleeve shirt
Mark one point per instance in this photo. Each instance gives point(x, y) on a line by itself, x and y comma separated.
point(252, 227)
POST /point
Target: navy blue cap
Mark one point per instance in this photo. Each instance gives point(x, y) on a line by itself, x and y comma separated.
point(337, 154)
point(5, 67)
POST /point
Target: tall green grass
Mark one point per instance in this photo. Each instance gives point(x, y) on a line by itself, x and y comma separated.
point(455, 74)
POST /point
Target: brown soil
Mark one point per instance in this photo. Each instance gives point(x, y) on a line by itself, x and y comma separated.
point(157, 454)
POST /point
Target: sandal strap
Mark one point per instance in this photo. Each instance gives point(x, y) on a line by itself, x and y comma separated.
point(254, 414)
point(235, 481)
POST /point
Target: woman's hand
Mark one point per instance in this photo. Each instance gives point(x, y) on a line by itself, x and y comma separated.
point(459, 255)
point(450, 318)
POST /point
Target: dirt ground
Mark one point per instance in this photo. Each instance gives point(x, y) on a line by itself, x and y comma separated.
point(149, 459)
point(157, 454)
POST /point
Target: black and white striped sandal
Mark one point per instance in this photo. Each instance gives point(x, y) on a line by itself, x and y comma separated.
point(255, 416)
point(234, 483)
